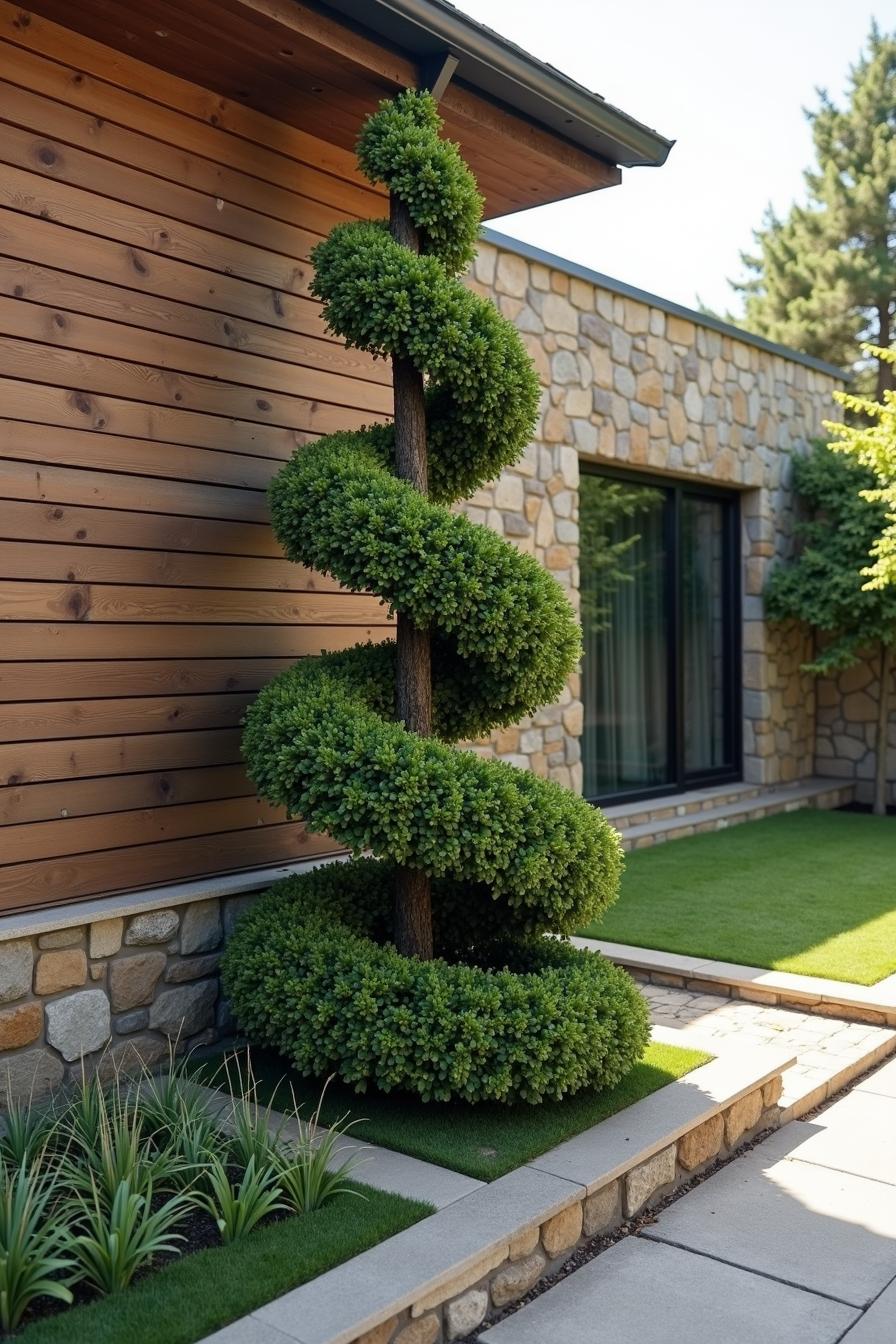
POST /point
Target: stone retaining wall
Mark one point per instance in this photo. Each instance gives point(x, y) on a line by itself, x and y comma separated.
point(459, 1308)
point(116, 991)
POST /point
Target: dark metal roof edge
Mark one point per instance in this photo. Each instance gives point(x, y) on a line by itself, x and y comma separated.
point(523, 78)
point(620, 287)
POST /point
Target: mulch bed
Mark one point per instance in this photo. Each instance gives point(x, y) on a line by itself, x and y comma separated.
point(197, 1227)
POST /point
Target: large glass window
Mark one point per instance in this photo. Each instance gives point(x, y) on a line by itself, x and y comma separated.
point(659, 622)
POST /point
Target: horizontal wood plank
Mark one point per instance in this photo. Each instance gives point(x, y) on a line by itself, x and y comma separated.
point(73, 408)
point(64, 524)
point(130, 378)
point(42, 720)
point(87, 757)
point(119, 793)
point(82, 679)
point(104, 489)
point(30, 238)
point(58, 641)
point(107, 564)
point(64, 291)
point(144, 826)
point(79, 331)
point(55, 881)
point(38, 442)
point(119, 602)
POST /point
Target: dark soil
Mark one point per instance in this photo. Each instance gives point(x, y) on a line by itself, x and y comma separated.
point(197, 1227)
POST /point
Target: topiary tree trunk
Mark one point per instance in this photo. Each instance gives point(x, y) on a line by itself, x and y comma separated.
point(350, 742)
point(413, 665)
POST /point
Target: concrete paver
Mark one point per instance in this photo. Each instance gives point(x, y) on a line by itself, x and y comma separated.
point(829, 1231)
point(829, 1050)
point(882, 1082)
point(878, 1325)
point(792, 1243)
point(642, 1292)
point(857, 1134)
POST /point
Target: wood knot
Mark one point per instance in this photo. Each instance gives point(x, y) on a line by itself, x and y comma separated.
point(77, 603)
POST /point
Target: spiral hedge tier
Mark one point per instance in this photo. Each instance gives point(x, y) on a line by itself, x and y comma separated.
point(502, 1013)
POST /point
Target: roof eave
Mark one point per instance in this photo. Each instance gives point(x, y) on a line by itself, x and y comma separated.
point(500, 69)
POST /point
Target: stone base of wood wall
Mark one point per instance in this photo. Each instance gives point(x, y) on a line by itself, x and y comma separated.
point(111, 994)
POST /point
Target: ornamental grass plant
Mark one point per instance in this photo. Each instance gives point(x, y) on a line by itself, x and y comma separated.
point(121, 1177)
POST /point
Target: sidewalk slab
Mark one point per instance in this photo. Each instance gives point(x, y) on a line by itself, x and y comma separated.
point(827, 1231)
point(878, 1325)
point(857, 1135)
point(882, 1083)
point(642, 1292)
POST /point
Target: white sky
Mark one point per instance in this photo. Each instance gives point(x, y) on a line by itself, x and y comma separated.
point(727, 79)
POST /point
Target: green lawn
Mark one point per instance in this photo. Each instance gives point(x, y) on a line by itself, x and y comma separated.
point(191, 1297)
point(484, 1141)
point(809, 892)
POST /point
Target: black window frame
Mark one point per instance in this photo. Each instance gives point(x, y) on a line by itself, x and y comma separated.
point(676, 490)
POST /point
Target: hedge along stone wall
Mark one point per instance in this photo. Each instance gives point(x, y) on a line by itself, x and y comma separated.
point(628, 384)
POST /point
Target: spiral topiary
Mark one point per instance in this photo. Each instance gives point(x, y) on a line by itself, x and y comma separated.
point(502, 1013)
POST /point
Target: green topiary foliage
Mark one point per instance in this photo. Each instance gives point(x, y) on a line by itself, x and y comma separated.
point(500, 1014)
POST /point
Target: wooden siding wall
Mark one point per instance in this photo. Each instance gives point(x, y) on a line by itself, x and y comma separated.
point(159, 357)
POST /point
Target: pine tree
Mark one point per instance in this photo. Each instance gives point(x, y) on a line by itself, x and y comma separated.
point(823, 278)
point(825, 585)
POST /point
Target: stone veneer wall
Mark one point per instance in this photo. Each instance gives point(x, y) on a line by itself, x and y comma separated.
point(116, 991)
point(628, 384)
point(846, 728)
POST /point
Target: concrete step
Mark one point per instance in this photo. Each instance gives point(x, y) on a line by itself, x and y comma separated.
point(679, 804)
point(726, 810)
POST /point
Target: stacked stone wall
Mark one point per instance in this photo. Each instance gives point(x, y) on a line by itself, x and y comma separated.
point(114, 993)
point(847, 715)
point(630, 385)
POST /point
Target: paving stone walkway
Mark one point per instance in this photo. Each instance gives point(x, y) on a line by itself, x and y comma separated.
point(829, 1050)
point(792, 1243)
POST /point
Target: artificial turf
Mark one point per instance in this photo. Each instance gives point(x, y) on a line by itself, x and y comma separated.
point(193, 1296)
point(809, 892)
point(484, 1141)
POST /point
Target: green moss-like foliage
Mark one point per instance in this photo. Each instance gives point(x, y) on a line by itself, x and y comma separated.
point(315, 979)
point(313, 972)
